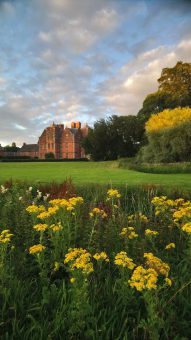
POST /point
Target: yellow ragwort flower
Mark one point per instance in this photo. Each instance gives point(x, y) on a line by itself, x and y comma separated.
point(5, 236)
point(32, 209)
point(101, 257)
point(149, 232)
point(157, 264)
point(40, 227)
point(143, 279)
point(170, 246)
point(36, 249)
point(122, 260)
point(113, 193)
point(79, 258)
point(187, 228)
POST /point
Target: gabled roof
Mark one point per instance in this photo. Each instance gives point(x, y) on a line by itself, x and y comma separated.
point(29, 148)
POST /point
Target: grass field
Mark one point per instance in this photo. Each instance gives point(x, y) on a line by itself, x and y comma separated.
point(88, 172)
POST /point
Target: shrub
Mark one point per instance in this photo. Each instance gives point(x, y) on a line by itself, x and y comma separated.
point(169, 137)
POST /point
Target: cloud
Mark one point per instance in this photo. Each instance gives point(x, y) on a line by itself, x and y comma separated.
point(64, 60)
point(126, 91)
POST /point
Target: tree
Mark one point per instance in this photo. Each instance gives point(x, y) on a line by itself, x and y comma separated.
point(176, 82)
point(114, 137)
point(174, 91)
point(12, 148)
point(49, 155)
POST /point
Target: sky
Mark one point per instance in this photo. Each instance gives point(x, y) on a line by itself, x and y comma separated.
point(83, 60)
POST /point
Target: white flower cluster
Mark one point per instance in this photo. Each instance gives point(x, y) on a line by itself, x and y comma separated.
point(45, 197)
point(3, 190)
point(29, 190)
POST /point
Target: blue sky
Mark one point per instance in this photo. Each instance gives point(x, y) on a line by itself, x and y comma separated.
point(67, 60)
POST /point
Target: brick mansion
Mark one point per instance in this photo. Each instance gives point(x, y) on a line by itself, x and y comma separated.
point(56, 140)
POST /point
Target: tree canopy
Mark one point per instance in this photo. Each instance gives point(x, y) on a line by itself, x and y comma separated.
point(174, 91)
point(114, 137)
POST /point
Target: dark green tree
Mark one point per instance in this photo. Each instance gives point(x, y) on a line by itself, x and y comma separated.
point(49, 155)
point(174, 91)
point(114, 137)
point(11, 148)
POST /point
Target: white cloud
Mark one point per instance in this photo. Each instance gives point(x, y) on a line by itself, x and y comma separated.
point(138, 78)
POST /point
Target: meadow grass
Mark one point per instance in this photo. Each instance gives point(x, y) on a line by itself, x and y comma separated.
point(50, 291)
point(88, 173)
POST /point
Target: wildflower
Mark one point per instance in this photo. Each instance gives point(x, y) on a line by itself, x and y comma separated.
point(170, 246)
point(55, 227)
point(101, 257)
point(5, 236)
point(182, 212)
point(36, 249)
point(3, 190)
point(46, 214)
point(113, 193)
point(157, 264)
point(79, 258)
point(168, 281)
point(20, 198)
point(142, 278)
point(39, 194)
point(40, 227)
point(139, 217)
point(98, 212)
point(56, 266)
point(72, 280)
point(187, 228)
point(129, 232)
point(31, 209)
point(149, 232)
point(121, 259)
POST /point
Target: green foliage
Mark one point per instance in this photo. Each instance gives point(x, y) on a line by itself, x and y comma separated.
point(174, 91)
point(168, 145)
point(100, 305)
point(159, 168)
point(49, 155)
point(114, 137)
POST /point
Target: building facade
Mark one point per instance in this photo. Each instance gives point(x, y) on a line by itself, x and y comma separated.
point(63, 142)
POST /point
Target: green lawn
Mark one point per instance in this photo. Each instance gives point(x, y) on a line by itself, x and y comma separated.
point(88, 172)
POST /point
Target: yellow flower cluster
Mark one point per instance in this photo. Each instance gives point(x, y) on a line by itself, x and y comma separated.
point(113, 193)
point(168, 119)
point(36, 249)
point(183, 212)
point(79, 258)
point(157, 264)
point(56, 227)
point(187, 228)
point(162, 204)
point(137, 218)
point(129, 232)
point(149, 232)
point(170, 246)
point(98, 212)
point(143, 279)
point(122, 260)
point(168, 281)
point(68, 204)
point(48, 213)
point(40, 227)
point(32, 209)
point(101, 256)
point(178, 207)
point(5, 236)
